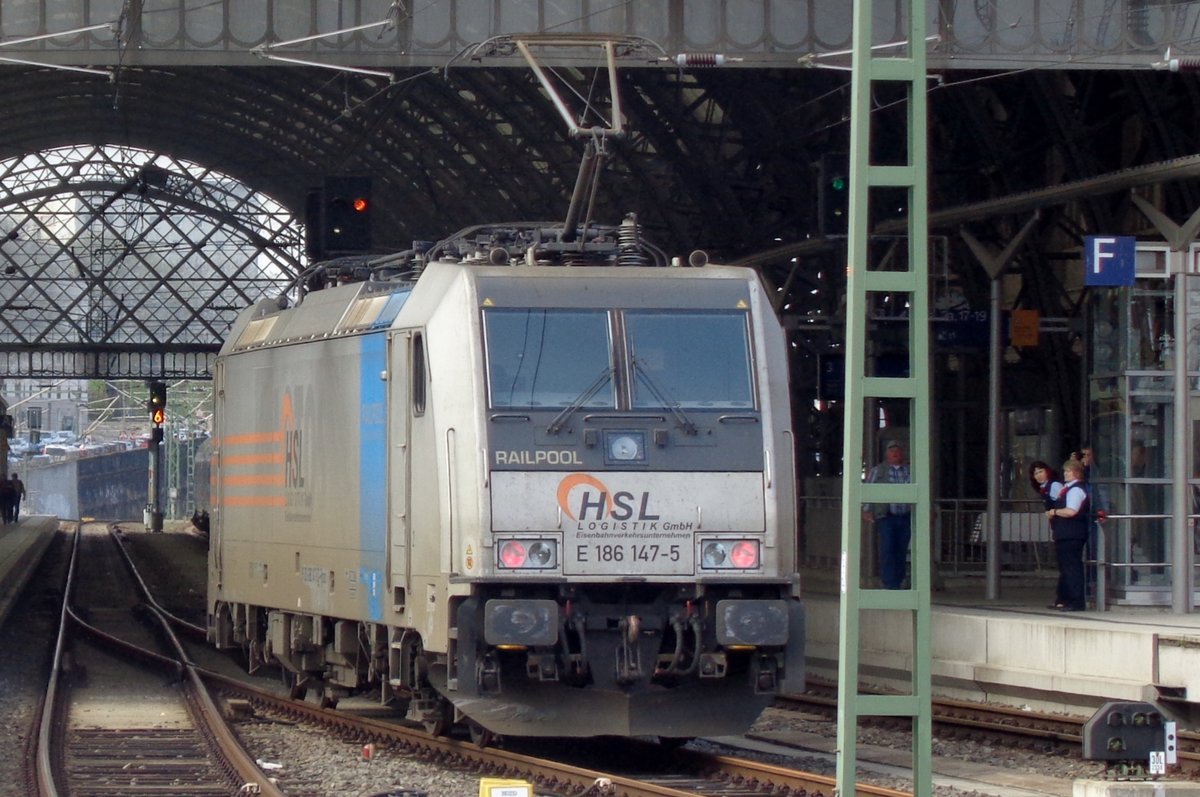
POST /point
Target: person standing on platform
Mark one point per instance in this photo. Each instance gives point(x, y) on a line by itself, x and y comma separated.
point(893, 522)
point(1097, 509)
point(1069, 522)
point(18, 492)
point(5, 500)
point(1043, 480)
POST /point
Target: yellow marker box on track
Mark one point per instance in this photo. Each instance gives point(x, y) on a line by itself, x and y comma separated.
point(493, 787)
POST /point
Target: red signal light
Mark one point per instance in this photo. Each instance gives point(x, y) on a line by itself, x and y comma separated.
point(359, 204)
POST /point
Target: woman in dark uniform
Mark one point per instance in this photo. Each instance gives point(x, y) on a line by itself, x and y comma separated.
point(1069, 530)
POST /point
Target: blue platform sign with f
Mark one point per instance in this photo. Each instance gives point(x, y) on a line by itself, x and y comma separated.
point(1109, 259)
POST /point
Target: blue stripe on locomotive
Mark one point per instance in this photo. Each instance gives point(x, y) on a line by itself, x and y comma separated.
point(372, 471)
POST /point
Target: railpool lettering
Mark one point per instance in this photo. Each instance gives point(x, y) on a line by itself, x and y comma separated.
point(551, 457)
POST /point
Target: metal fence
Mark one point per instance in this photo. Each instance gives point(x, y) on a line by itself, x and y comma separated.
point(959, 535)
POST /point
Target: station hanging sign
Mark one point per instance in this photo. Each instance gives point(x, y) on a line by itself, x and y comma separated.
point(1024, 327)
point(962, 328)
point(1109, 260)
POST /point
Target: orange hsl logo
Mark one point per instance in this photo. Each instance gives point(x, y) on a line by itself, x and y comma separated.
point(581, 493)
point(293, 475)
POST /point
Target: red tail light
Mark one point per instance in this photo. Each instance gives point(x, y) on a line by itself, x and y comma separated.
point(512, 553)
point(744, 555)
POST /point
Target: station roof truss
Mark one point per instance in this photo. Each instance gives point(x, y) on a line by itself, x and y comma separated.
point(725, 158)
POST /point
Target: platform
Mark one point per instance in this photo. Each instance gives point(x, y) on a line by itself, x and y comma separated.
point(21, 547)
point(1016, 650)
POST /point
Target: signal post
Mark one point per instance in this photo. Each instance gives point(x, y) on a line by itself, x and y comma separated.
point(157, 405)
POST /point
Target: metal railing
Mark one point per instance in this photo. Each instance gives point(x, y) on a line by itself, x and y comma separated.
point(960, 536)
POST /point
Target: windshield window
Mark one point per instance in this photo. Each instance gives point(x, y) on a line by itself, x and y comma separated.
point(690, 359)
point(548, 358)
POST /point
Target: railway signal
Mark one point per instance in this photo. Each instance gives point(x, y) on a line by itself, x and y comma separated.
point(833, 194)
point(346, 215)
point(157, 403)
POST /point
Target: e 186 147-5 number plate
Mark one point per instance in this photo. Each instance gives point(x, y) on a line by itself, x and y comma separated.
point(614, 551)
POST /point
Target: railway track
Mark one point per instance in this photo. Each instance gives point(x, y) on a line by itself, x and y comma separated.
point(173, 738)
point(683, 772)
point(1001, 724)
point(680, 773)
point(93, 739)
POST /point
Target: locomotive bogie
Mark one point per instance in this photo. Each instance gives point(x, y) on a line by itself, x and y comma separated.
point(516, 494)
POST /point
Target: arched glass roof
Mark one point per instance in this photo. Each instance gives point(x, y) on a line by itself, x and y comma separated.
point(124, 251)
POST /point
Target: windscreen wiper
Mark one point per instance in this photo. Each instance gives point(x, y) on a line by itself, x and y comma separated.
point(560, 420)
point(685, 423)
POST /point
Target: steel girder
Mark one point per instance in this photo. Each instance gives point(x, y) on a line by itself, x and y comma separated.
point(721, 160)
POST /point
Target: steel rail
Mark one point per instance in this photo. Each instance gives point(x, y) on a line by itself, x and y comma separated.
point(50, 707)
point(1005, 721)
point(207, 716)
point(722, 770)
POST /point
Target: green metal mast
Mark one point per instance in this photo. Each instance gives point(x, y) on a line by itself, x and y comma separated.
point(873, 273)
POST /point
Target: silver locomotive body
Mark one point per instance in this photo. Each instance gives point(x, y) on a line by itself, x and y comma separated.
point(547, 500)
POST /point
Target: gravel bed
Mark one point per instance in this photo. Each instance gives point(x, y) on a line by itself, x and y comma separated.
point(306, 762)
point(1057, 764)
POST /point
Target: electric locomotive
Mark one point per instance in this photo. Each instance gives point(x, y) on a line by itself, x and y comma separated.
point(538, 483)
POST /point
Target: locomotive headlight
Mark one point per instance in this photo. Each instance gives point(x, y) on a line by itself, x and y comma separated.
point(625, 446)
point(714, 554)
point(513, 554)
point(542, 554)
point(729, 554)
point(527, 622)
point(752, 622)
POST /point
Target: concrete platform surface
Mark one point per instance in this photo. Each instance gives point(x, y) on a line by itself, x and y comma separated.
point(21, 547)
point(1130, 788)
point(1018, 650)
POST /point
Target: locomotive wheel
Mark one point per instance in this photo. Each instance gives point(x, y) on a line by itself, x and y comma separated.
point(439, 721)
point(299, 688)
point(480, 735)
point(310, 690)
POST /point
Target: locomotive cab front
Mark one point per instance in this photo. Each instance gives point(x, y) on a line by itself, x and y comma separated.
point(636, 568)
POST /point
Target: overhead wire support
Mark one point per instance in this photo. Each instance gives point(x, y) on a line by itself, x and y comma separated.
point(612, 49)
point(615, 128)
point(265, 51)
point(55, 35)
point(62, 67)
point(595, 153)
point(813, 59)
point(111, 26)
point(869, 392)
